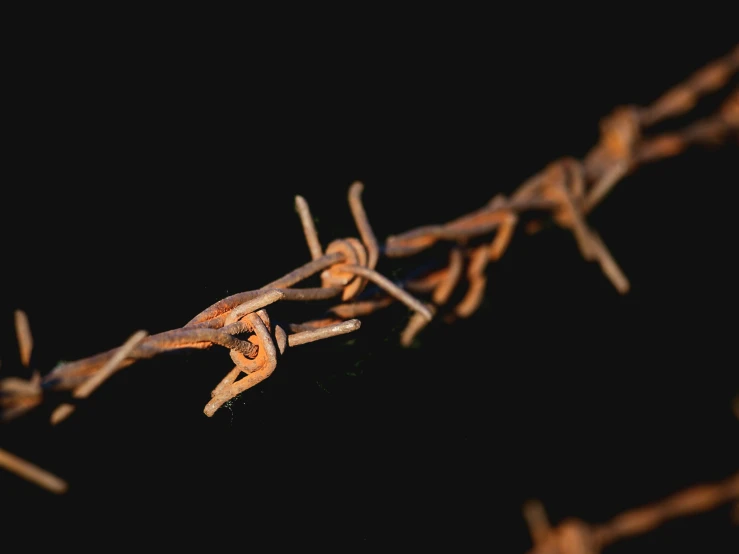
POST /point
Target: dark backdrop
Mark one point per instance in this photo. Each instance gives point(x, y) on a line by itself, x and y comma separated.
point(146, 186)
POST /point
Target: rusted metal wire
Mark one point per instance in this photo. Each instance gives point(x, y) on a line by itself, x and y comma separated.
point(32, 473)
point(28, 393)
point(574, 536)
point(567, 190)
point(25, 338)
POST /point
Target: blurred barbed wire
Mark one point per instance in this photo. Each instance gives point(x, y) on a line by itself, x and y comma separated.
point(450, 286)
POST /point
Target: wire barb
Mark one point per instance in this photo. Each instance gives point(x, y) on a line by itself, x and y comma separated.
point(567, 190)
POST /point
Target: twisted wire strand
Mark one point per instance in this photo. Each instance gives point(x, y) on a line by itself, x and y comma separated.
point(574, 536)
point(568, 189)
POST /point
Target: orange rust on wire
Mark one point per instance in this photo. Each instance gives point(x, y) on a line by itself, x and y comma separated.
point(568, 189)
point(359, 258)
point(537, 521)
point(360, 307)
point(712, 130)
point(683, 97)
point(391, 288)
point(428, 282)
point(84, 389)
point(573, 536)
point(365, 230)
point(29, 392)
point(415, 325)
point(32, 472)
point(61, 412)
point(472, 225)
point(572, 188)
point(18, 395)
point(309, 229)
point(354, 253)
point(351, 250)
point(23, 334)
point(624, 147)
point(313, 324)
point(247, 364)
point(476, 282)
point(265, 363)
point(451, 277)
point(70, 374)
point(313, 335)
point(440, 283)
point(111, 366)
point(220, 309)
point(503, 236)
point(730, 110)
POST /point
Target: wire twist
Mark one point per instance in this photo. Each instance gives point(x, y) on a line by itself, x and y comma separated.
point(568, 190)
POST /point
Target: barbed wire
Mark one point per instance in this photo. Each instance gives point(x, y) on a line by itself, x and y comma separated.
point(566, 191)
point(574, 536)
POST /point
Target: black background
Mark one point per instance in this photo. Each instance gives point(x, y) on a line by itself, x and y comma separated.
point(146, 184)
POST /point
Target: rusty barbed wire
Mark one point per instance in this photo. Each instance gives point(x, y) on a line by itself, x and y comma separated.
point(574, 536)
point(567, 191)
